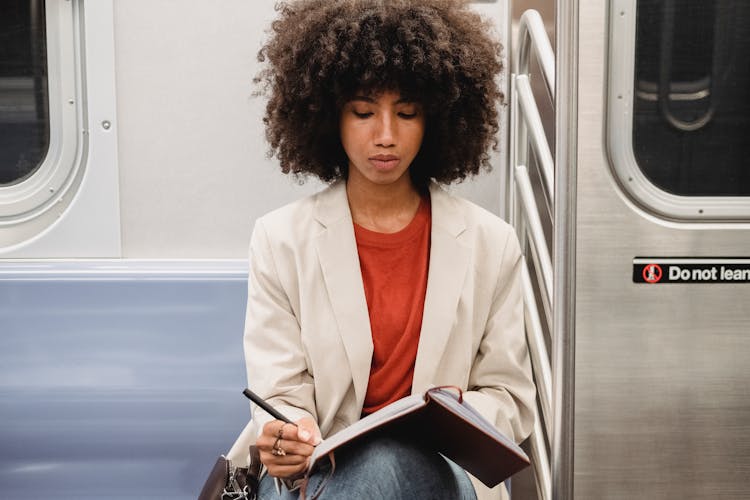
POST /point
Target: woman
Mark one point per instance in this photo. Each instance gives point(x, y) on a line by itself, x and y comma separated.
point(383, 284)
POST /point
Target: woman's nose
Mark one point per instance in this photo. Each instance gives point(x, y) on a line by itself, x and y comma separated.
point(385, 134)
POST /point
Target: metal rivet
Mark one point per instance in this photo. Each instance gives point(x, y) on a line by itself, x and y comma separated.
point(70, 101)
point(106, 125)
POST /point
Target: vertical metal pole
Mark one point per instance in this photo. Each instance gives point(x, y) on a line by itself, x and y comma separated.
point(564, 251)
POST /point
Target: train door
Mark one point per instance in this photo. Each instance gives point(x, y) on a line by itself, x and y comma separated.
point(654, 359)
point(662, 406)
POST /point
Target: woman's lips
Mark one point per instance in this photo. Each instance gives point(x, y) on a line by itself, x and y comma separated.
point(384, 162)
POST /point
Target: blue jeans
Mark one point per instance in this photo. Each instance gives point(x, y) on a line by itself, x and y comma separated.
point(382, 468)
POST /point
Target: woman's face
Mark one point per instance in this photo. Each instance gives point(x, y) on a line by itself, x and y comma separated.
point(381, 134)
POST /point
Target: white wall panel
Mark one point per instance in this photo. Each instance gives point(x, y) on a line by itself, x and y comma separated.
point(193, 168)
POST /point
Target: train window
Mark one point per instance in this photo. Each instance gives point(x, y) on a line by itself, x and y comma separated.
point(24, 112)
point(40, 109)
point(679, 105)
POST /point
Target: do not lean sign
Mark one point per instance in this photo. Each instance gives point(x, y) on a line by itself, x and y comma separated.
point(670, 270)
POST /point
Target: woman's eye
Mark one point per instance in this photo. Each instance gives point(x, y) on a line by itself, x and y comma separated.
point(407, 115)
point(365, 114)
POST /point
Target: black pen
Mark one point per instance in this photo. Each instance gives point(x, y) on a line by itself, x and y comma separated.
point(268, 408)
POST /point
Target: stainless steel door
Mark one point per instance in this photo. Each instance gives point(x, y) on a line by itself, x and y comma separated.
point(662, 405)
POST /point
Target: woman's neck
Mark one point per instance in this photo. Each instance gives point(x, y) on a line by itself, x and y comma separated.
point(384, 208)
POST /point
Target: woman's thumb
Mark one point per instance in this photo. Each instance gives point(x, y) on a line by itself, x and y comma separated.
point(307, 430)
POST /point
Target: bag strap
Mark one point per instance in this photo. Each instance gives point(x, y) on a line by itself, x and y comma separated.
point(319, 490)
point(253, 471)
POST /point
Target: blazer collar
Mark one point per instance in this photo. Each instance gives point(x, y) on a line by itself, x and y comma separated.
point(332, 206)
point(449, 263)
point(447, 214)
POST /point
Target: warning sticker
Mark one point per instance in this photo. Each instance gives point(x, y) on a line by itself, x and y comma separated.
point(668, 270)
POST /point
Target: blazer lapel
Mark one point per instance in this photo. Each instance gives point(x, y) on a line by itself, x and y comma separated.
point(449, 263)
point(337, 251)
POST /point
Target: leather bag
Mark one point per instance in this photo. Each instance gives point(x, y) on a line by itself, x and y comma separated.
point(228, 482)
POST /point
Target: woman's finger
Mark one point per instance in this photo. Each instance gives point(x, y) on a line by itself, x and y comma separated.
point(284, 471)
point(288, 447)
point(279, 428)
point(270, 459)
point(293, 447)
point(282, 436)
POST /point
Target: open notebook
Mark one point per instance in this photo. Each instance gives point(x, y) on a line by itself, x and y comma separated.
point(440, 420)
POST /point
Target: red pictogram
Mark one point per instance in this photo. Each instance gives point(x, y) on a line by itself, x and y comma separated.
point(652, 273)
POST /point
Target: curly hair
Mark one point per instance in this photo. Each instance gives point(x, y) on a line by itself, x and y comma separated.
point(436, 52)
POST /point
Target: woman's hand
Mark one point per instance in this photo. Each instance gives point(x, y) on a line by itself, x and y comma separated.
point(285, 449)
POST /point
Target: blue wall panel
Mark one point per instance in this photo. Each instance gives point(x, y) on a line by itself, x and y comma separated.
point(118, 386)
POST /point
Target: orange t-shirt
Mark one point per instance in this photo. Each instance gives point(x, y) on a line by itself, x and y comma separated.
point(394, 272)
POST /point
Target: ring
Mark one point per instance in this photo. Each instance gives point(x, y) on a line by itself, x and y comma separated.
point(280, 433)
point(277, 450)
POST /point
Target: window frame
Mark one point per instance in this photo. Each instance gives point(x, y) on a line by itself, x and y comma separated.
point(620, 105)
point(61, 169)
point(81, 219)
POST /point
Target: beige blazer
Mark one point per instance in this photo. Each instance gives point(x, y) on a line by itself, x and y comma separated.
point(307, 338)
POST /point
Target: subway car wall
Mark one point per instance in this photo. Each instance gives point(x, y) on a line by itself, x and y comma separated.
point(133, 164)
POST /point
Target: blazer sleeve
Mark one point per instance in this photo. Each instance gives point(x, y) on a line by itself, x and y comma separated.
point(274, 355)
point(500, 381)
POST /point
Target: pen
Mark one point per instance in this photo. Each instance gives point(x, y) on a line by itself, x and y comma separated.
point(268, 408)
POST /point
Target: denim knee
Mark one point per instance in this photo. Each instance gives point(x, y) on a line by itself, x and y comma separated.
point(386, 467)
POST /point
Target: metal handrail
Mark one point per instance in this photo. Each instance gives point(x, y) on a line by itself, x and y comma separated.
point(532, 34)
point(523, 183)
point(540, 356)
point(527, 128)
point(544, 296)
point(533, 122)
point(540, 461)
point(665, 72)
